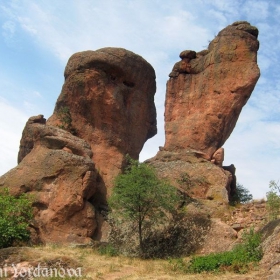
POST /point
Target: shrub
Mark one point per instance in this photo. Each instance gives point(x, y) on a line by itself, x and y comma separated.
point(241, 195)
point(141, 198)
point(237, 260)
point(108, 250)
point(15, 214)
point(177, 265)
point(273, 200)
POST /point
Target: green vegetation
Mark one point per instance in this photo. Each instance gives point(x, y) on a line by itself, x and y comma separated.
point(65, 118)
point(273, 200)
point(242, 195)
point(15, 214)
point(141, 198)
point(185, 181)
point(237, 260)
point(108, 250)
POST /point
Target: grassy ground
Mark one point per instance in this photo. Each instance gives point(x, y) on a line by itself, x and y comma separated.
point(96, 266)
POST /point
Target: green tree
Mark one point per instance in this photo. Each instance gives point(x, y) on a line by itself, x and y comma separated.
point(273, 200)
point(143, 199)
point(242, 195)
point(15, 214)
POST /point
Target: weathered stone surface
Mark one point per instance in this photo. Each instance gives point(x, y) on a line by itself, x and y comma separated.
point(57, 171)
point(110, 96)
point(27, 141)
point(271, 245)
point(218, 157)
point(204, 97)
point(193, 175)
point(207, 90)
point(220, 238)
point(231, 168)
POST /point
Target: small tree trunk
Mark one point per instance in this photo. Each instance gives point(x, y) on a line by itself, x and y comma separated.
point(140, 235)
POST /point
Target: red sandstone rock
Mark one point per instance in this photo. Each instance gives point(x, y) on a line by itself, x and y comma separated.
point(207, 90)
point(196, 177)
point(110, 97)
point(205, 94)
point(218, 157)
point(56, 169)
point(220, 238)
point(108, 101)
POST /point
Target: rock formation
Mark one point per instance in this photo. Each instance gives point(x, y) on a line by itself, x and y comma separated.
point(271, 248)
point(207, 90)
point(57, 171)
point(107, 102)
point(106, 110)
point(204, 97)
point(110, 97)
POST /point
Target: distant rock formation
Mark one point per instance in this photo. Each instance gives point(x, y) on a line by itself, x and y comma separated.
point(204, 97)
point(207, 90)
point(56, 169)
point(110, 96)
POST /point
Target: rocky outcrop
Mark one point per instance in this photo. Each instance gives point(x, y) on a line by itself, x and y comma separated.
point(57, 171)
point(207, 90)
point(108, 100)
point(218, 157)
point(105, 111)
point(204, 97)
point(271, 249)
point(196, 177)
point(245, 216)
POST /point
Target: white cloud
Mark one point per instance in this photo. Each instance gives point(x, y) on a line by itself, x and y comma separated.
point(12, 122)
point(225, 6)
point(256, 154)
point(256, 10)
point(9, 28)
point(26, 24)
point(8, 31)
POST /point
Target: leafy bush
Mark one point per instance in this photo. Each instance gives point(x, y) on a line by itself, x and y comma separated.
point(15, 214)
point(177, 265)
point(273, 200)
point(141, 198)
point(241, 195)
point(237, 260)
point(108, 250)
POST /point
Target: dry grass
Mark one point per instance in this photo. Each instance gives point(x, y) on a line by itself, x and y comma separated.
point(96, 266)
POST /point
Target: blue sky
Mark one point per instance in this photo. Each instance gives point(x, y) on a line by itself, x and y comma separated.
point(38, 37)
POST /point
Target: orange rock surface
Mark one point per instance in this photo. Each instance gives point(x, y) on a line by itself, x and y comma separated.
point(207, 90)
point(57, 171)
point(110, 96)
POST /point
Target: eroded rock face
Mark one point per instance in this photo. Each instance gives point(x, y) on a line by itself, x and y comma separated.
point(207, 90)
point(105, 111)
point(193, 175)
point(110, 96)
point(204, 97)
point(271, 247)
point(57, 171)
